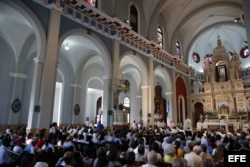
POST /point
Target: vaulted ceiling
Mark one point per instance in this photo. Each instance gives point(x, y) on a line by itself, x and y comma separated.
point(196, 24)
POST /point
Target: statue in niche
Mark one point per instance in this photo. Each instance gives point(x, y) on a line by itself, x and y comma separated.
point(222, 74)
point(201, 118)
point(224, 109)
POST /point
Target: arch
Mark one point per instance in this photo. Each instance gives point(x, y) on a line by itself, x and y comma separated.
point(103, 51)
point(161, 72)
point(91, 98)
point(7, 65)
point(35, 23)
point(154, 19)
point(136, 62)
point(181, 91)
point(94, 78)
point(190, 16)
point(58, 99)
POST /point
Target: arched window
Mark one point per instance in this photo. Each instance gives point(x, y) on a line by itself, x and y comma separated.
point(178, 49)
point(92, 2)
point(134, 18)
point(159, 36)
point(126, 102)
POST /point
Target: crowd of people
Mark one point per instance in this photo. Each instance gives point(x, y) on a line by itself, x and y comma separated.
point(97, 146)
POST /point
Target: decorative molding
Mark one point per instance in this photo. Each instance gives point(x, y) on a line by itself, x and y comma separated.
point(18, 75)
point(114, 28)
point(74, 85)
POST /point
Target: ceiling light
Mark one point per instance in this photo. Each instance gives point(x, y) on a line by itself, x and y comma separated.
point(236, 20)
point(126, 21)
point(67, 46)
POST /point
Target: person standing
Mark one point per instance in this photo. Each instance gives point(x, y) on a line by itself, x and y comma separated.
point(193, 158)
point(134, 125)
point(5, 159)
point(151, 159)
point(100, 126)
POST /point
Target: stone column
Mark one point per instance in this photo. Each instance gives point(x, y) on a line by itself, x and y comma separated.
point(169, 106)
point(35, 93)
point(145, 104)
point(116, 72)
point(106, 101)
point(151, 91)
point(44, 118)
point(136, 115)
point(174, 102)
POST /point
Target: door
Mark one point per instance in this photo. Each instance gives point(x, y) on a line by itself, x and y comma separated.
point(198, 110)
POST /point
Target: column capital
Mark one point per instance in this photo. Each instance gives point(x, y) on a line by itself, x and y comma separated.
point(145, 87)
point(18, 75)
point(139, 96)
point(105, 77)
point(75, 85)
point(38, 59)
point(168, 93)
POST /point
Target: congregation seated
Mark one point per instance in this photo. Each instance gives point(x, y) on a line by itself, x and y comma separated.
point(119, 148)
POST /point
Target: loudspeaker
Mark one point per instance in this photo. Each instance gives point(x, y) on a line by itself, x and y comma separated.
point(37, 108)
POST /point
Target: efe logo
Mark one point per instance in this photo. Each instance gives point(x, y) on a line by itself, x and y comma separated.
point(237, 158)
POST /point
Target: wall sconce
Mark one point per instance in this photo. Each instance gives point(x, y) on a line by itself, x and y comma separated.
point(67, 46)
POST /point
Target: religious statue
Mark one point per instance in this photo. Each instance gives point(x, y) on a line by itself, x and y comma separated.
point(201, 118)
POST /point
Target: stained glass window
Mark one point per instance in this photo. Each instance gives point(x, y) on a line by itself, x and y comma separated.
point(178, 50)
point(159, 37)
point(92, 2)
point(133, 18)
point(126, 102)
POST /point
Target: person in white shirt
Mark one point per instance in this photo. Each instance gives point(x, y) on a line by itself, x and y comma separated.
point(193, 158)
point(134, 125)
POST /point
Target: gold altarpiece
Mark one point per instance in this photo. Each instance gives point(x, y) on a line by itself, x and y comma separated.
point(222, 93)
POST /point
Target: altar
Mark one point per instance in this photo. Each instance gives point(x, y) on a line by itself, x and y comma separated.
point(215, 125)
point(121, 119)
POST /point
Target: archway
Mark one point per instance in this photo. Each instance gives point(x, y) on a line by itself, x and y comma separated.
point(198, 110)
point(98, 114)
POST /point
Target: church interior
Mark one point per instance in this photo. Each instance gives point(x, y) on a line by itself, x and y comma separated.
point(149, 61)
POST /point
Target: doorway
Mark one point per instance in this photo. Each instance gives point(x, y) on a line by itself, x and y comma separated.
point(99, 113)
point(198, 110)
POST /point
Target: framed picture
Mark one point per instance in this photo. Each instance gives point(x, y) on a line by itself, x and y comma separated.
point(16, 105)
point(77, 109)
point(196, 57)
point(244, 52)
